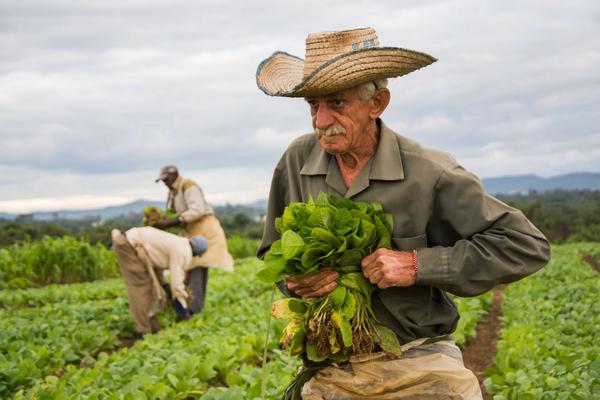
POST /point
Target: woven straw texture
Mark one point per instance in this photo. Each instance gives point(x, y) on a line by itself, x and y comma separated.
point(335, 61)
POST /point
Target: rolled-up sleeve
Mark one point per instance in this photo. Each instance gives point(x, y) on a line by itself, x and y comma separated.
point(497, 243)
point(197, 205)
point(177, 261)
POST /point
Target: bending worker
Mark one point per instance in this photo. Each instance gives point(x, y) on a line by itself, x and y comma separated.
point(142, 251)
point(449, 235)
point(196, 217)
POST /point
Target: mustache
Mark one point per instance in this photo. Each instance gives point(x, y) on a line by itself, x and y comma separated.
point(334, 130)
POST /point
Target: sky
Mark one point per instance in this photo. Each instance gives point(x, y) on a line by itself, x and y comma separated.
point(96, 96)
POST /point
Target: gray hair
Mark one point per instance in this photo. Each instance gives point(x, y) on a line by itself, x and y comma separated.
point(367, 90)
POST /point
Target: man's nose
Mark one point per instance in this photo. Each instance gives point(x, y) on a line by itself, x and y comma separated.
point(323, 117)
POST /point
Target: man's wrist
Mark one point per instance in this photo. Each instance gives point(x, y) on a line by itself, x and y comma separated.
point(415, 264)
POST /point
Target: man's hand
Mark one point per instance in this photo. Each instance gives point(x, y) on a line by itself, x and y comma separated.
point(166, 223)
point(387, 268)
point(314, 285)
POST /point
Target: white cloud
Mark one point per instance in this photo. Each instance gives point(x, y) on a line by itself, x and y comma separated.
point(96, 96)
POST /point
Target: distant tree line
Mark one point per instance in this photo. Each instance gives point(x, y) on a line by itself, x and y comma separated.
point(561, 215)
point(236, 221)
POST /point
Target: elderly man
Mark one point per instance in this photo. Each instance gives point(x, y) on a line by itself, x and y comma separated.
point(142, 250)
point(449, 236)
point(196, 217)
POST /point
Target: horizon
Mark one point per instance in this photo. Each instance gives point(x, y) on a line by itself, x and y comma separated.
point(96, 97)
point(101, 203)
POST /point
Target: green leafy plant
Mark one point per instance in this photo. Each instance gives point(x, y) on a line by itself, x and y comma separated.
point(241, 247)
point(153, 215)
point(217, 354)
point(54, 260)
point(334, 233)
point(549, 345)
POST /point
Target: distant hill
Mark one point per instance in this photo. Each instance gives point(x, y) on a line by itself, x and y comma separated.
point(516, 184)
point(526, 183)
point(101, 213)
point(254, 209)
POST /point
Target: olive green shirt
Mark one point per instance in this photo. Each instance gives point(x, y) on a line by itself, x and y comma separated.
point(467, 241)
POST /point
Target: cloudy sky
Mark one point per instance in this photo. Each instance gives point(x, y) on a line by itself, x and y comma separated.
point(95, 96)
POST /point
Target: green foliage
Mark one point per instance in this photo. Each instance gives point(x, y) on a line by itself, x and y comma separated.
point(238, 220)
point(549, 345)
point(54, 260)
point(562, 215)
point(335, 233)
point(68, 347)
point(12, 232)
point(66, 294)
point(240, 247)
point(471, 309)
point(38, 341)
point(215, 355)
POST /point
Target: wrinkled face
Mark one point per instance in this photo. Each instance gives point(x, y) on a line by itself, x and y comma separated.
point(340, 120)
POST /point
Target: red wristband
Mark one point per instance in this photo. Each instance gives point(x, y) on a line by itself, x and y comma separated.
point(414, 260)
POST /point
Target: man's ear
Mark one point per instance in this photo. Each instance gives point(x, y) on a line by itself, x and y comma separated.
point(379, 102)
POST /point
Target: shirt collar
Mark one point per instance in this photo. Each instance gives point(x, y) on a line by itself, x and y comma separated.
point(385, 165)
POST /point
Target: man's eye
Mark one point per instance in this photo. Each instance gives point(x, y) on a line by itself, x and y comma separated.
point(337, 102)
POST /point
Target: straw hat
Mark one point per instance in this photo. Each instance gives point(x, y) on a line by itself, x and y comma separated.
point(336, 61)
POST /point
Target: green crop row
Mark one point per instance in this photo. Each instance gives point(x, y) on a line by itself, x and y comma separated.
point(54, 260)
point(36, 342)
point(550, 345)
point(56, 293)
point(216, 355)
point(241, 247)
point(471, 309)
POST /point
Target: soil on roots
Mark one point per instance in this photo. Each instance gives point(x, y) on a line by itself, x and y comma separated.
point(479, 352)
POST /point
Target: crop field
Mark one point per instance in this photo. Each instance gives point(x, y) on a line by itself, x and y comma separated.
point(76, 340)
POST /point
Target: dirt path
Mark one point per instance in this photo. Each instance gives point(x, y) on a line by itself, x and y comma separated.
point(480, 351)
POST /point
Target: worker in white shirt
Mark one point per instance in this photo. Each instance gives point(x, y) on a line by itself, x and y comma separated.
point(142, 251)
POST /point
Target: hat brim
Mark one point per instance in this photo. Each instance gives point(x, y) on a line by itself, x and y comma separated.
point(282, 73)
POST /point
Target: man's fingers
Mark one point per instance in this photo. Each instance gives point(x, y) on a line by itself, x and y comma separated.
point(324, 277)
point(312, 286)
point(309, 292)
point(376, 277)
point(371, 257)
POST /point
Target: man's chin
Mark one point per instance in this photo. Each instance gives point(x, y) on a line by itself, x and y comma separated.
point(333, 148)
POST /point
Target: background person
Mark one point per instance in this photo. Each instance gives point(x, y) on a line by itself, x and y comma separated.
point(139, 252)
point(196, 217)
point(448, 234)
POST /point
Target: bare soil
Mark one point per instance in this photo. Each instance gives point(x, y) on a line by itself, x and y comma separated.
point(127, 341)
point(590, 259)
point(480, 351)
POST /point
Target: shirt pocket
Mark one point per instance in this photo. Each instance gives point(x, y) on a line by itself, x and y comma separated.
point(409, 243)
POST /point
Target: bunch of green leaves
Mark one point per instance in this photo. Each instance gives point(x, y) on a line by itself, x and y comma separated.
point(334, 233)
point(154, 215)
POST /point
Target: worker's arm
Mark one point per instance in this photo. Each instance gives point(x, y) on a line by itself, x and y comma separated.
point(498, 245)
point(176, 263)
